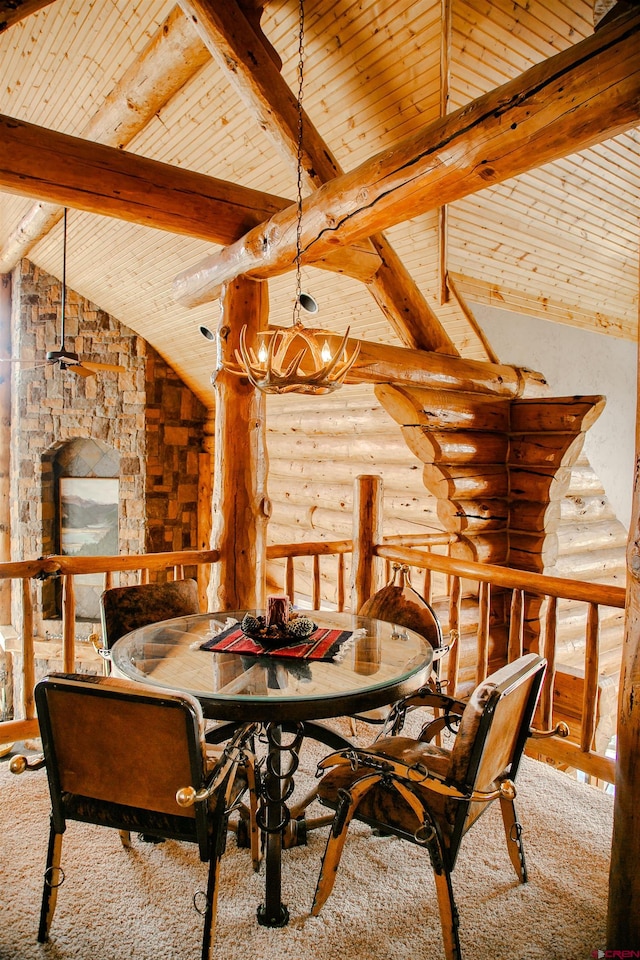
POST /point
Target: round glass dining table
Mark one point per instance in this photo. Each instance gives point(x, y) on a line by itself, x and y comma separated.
point(377, 664)
point(362, 664)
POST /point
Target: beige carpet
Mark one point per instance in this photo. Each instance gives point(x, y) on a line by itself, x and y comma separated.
point(116, 904)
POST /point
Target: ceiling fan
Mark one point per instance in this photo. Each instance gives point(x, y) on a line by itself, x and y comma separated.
point(66, 359)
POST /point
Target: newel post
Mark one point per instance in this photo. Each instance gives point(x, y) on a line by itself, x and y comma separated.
point(240, 504)
point(623, 921)
point(367, 531)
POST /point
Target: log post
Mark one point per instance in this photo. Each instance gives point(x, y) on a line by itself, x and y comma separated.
point(205, 500)
point(623, 921)
point(367, 531)
point(240, 504)
point(5, 443)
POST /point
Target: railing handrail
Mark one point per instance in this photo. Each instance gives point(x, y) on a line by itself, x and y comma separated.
point(537, 584)
point(54, 564)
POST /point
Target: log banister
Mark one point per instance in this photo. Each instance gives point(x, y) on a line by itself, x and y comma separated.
point(580, 755)
point(533, 583)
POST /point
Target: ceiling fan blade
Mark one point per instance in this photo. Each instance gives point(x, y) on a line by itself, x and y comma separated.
point(79, 369)
point(24, 363)
point(94, 367)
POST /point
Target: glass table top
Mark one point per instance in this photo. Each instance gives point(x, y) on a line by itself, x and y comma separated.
point(377, 664)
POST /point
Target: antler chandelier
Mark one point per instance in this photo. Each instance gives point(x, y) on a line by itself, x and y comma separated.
point(297, 359)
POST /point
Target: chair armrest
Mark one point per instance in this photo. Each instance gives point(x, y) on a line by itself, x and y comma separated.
point(19, 764)
point(560, 730)
point(233, 754)
point(417, 773)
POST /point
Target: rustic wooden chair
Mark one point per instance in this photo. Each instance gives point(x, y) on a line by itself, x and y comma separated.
point(432, 795)
point(399, 603)
point(105, 768)
point(126, 608)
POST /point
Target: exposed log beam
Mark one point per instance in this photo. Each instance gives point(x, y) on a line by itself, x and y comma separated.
point(101, 179)
point(172, 56)
point(12, 11)
point(251, 66)
point(104, 180)
point(579, 97)
point(383, 363)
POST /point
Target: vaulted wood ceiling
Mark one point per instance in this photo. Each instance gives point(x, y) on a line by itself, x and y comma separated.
point(559, 241)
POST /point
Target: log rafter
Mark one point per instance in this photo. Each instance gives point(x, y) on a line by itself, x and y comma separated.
point(571, 101)
point(12, 11)
point(191, 204)
point(169, 60)
point(250, 65)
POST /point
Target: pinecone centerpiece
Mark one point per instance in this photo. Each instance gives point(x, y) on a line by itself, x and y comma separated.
point(271, 631)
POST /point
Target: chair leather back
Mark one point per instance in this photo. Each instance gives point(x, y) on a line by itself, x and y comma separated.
point(493, 731)
point(112, 744)
point(399, 603)
point(126, 608)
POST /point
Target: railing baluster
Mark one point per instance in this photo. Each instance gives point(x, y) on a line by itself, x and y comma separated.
point(28, 653)
point(316, 582)
point(591, 666)
point(484, 605)
point(341, 582)
point(453, 657)
point(516, 625)
point(427, 585)
point(68, 623)
point(290, 579)
point(546, 697)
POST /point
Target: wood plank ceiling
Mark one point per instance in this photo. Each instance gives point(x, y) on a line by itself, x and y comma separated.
point(560, 241)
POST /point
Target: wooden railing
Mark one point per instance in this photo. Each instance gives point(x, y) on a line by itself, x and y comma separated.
point(67, 568)
point(522, 585)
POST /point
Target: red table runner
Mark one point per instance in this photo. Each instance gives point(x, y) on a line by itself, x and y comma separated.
point(323, 644)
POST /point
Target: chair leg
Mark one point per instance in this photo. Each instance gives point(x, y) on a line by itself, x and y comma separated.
point(513, 833)
point(211, 911)
point(448, 914)
point(349, 800)
point(125, 838)
point(53, 878)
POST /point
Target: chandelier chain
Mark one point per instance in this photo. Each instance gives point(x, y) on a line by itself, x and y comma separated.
point(296, 306)
point(298, 360)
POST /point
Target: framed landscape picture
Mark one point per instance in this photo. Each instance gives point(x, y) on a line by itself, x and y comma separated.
point(89, 528)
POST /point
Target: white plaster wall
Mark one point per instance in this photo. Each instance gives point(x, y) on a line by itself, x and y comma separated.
point(579, 362)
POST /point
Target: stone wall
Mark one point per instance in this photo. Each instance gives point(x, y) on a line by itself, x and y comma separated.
point(145, 414)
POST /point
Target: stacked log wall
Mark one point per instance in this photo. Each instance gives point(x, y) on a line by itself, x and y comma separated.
point(316, 450)
point(441, 469)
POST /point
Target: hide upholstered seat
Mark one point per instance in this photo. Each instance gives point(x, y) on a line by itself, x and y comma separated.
point(104, 767)
point(432, 795)
point(126, 608)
